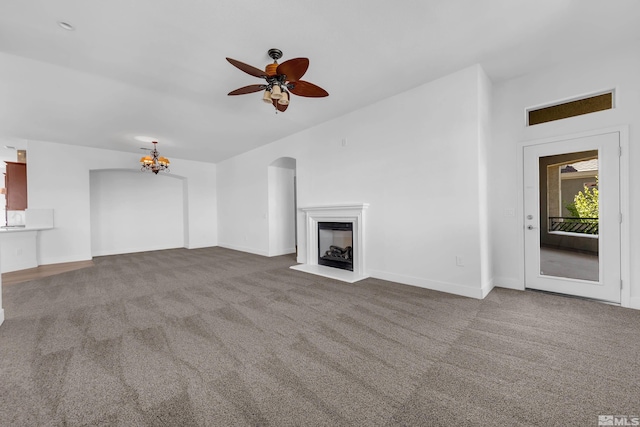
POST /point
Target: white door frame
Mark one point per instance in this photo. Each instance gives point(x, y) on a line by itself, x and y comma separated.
point(625, 261)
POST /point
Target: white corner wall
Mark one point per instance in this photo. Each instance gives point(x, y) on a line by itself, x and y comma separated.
point(617, 70)
point(485, 103)
point(414, 157)
point(59, 178)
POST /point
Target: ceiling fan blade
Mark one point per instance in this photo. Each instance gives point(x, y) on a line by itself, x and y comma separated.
point(280, 107)
point(294, 68)
point(256, 72)
point(247, 89)
point(302, 88)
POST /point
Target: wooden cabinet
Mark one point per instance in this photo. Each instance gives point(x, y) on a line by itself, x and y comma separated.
point(15, 182)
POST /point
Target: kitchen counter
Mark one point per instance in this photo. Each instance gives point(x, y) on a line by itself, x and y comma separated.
point(12, 229)
point(19, 244)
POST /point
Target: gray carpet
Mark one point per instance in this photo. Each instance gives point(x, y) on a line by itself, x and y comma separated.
point(215, 337)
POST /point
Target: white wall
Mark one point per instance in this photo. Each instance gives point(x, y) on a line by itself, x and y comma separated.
point(58, 178)
point(134, 212)
point(281, 211)
point(609, 70)
point(414, 157)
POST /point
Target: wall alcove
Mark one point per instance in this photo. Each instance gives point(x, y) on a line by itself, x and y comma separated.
point(133, 211)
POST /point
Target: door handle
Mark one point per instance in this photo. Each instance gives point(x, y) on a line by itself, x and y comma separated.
point(530, 227)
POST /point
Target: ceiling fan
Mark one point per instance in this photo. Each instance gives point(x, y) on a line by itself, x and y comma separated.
point(280, 80)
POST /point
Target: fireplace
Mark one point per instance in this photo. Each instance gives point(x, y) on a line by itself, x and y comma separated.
point(335, 244)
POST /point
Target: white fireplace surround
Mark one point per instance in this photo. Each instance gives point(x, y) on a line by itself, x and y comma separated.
point(352, 213)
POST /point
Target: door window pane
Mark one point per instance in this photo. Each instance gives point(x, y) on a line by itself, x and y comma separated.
point(569, 216)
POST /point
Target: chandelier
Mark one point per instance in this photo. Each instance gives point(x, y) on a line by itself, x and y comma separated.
point(154, 162)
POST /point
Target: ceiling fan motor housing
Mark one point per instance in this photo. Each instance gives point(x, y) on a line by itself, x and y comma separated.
point(270, 69)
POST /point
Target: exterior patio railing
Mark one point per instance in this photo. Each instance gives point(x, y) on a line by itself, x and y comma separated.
point(573, 225)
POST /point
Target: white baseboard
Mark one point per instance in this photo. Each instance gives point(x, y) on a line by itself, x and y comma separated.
point(283, 252)
point(1, 315)
point(508, 283)
point(76, 258)
point(634, 302)
point(486, 288)
point(123, 251)
point(201, 246)
point(243, 249)
point(62, 260)
point(451, 288)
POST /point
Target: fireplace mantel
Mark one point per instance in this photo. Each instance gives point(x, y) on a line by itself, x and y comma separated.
point(353, 213)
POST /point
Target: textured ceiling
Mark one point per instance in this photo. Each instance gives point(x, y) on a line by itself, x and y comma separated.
point(157, 67)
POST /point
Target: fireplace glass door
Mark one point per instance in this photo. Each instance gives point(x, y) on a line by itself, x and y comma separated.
point(335, 244)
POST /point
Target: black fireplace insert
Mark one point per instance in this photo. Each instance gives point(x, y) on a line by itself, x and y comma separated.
point(335, 244)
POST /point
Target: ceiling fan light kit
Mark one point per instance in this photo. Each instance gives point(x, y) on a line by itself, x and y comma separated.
point(281, 80)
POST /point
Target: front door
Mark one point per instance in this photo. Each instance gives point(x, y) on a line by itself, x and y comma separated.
point(572, 216)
